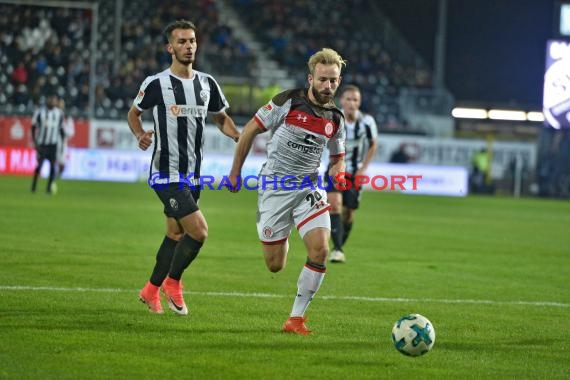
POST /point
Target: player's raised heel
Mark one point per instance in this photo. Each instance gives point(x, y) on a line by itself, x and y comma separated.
point(296, 325)
point(172, 290)
point(150, 296)
point(337, 257)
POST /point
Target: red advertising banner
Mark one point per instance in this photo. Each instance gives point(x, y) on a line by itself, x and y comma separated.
point(21, 161)
point(16, 131)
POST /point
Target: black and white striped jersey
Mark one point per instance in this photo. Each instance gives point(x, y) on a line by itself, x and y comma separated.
point(47, 126)
point(179, 108)
point(359, 135)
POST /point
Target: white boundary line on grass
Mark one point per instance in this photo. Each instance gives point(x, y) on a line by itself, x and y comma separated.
point(270, 295)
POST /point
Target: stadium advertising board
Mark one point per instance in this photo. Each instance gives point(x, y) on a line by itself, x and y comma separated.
point(112, 134)
point(15, 131)
point(132, 166)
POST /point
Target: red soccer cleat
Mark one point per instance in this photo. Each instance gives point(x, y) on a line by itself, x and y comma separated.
point(296, 325)
point(172, 290)
point(150, 296)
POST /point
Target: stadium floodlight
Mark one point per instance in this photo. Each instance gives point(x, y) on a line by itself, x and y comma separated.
point(535, 116)
point(512, 115)
point(469, 113)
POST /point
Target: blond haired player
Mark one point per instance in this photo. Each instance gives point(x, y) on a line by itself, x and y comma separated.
point(301, 122)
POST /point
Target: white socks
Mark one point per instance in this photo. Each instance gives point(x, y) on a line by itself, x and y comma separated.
point(310, 281)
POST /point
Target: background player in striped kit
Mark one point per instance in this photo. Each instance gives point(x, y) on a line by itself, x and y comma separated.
point(301, 123)
point(361, 135)
point(47, 133)
point(180, 98)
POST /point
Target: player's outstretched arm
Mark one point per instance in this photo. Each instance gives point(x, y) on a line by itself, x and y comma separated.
point(243, 147)
point(226, 124)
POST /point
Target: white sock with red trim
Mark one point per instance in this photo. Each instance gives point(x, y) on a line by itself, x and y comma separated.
point(309, 282)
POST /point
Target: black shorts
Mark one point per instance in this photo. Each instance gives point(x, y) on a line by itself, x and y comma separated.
point(179, 199)
point(350, 197)
point(47, 152)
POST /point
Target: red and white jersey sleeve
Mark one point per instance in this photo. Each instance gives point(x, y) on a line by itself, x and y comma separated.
point(272, 115)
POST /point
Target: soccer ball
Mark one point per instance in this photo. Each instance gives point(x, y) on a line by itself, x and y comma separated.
point(413, 335)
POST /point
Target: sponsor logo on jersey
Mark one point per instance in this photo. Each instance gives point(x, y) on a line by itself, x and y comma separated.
point(304, 148)
point(186, 110)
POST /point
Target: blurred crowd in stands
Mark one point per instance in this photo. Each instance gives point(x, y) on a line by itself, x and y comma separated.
point(43, 50)
point(47, 49)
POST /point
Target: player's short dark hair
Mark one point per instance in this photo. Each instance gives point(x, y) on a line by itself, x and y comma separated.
point(178, 24)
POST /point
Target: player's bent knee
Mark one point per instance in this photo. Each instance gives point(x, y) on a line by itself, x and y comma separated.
point(319, 254)
point(174, 235)
point(201, 235)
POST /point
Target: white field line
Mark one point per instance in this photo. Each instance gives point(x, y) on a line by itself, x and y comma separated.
point(270, 295)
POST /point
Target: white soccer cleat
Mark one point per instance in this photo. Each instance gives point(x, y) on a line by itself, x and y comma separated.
point(337, 257)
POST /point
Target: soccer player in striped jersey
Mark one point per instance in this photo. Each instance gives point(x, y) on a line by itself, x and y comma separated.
point(47, 133)
point(180, 98)
point(301, 123)
point(361, 135)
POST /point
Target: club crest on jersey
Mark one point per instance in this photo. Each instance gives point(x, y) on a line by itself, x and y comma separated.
point(173, 204)
point(267, 232)
point(329, 129)
point(204, 95)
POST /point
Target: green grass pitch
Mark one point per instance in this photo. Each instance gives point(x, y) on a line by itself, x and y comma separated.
point(492, 274)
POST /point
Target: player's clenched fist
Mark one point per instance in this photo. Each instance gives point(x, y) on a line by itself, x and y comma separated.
point(145, 139)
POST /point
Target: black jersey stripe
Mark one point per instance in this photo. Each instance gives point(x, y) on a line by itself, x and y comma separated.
point(216, 104)
point(154, 148)
point(181, 126)
point(163, 166)
point(199, 128)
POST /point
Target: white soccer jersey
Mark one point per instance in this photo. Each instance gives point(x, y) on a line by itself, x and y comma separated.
point(299, 132)
point(180, 107)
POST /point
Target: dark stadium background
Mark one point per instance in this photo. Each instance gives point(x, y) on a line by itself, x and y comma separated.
point(495, 48)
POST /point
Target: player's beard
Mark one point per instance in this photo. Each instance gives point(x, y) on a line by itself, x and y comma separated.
point(321, 99)
point(180, 57)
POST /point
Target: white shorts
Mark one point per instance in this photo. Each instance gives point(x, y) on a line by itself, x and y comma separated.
point(278, 210)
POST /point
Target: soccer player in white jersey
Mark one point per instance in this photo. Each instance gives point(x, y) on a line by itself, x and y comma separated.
point(301, 123)
point(361, 135)
point(180, 98)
